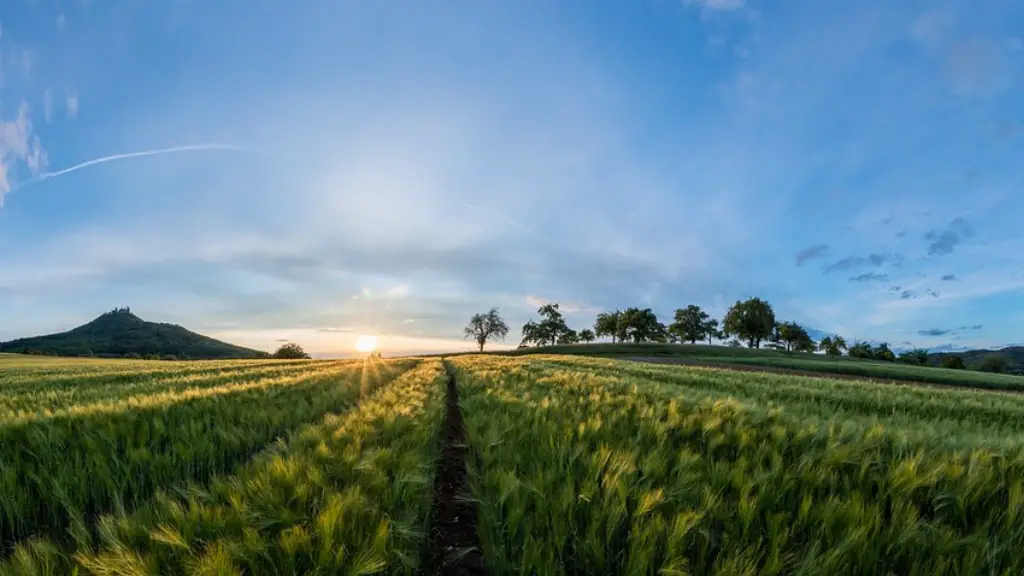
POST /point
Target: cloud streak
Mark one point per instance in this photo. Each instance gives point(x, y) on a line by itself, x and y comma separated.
point(812, 252)
point(126, 156)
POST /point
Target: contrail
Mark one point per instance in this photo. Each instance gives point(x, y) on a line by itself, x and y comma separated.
point(115, 157)
point(510, 221)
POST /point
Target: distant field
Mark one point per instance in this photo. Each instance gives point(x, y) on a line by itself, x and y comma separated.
point(810, 362)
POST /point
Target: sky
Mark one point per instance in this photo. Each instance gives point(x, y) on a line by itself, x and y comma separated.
point(265, 171)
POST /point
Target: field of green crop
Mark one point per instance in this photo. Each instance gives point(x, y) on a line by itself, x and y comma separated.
point(216, 467)
point(576, 465)
point(584, 466)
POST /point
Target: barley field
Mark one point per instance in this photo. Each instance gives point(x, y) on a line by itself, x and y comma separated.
point(571, 465)
point(590, 466)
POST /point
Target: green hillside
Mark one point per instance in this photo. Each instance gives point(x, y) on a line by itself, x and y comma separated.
point(121, 333)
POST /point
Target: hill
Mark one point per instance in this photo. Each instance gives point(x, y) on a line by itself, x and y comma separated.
point(121, 333)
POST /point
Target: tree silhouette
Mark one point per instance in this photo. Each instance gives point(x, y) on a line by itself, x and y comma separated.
point(484, 327)
point(291, 351)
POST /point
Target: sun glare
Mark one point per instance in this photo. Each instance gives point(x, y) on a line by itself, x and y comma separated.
point(366, 343)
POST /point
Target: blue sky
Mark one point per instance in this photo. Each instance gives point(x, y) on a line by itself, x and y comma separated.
point(393, 167)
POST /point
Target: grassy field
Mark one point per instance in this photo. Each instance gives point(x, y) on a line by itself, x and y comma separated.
point(576, 465)
point(790, 360)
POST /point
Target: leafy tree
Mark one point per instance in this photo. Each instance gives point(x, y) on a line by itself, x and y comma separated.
point(734, 343)
point(953, 363)
point(692, 324)
point(752, 320)
point(484, 327)
point(568, 337)
point(713, 331)
point(291, 351)
point(793, 337)
point(550, 330)
point(607, 325)
point(996, 363)
point(832, 346)
point(861, 350)
point(917, 357)
point(882, 352)
point(640, 326)
point(587, 335)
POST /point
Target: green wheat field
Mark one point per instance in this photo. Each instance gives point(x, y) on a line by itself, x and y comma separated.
point(576, 465)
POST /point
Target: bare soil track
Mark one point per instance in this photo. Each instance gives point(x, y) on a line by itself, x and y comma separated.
point(808, 373)
point(453, 546)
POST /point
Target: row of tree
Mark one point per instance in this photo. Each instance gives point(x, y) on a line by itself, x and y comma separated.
point(751, 321)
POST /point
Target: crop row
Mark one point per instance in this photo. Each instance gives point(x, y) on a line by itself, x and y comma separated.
point(916, 412)
point(579, 470)
point(120, 373)
point(21, 403)
point(348, 495)
point(60, 472)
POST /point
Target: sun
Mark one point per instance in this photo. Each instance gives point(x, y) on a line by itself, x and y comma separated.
point(366, 343)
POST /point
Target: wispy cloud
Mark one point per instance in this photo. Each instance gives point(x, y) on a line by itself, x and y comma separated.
point(949, 278)
point(933, 332)
point(812, 252)
point(870, 277)
point(875, 259)
point(19, 145)
point(943, 241)
point(71, 105)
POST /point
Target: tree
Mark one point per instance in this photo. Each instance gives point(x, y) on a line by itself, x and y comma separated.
point(882, 352)
point(916, 357)
point(484, 327)
point(832, 346)
point(291, 351)
point(640, 326)
point(996, 363)
point(794, 337)
point(953, 363)
point(752, 320)
point(713, 331)
point(587, 335)
point(550, 330)
point(607, 324)
point(568, 337)
point(861, 350)
point(691, 324)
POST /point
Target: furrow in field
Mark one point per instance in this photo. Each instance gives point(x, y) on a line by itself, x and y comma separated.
point(57, 474)
point(348, 495)
point(453, 546)
point(580, 473)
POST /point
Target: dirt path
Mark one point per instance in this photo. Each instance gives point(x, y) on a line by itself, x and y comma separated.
point(809, 373)
point(453, 545)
